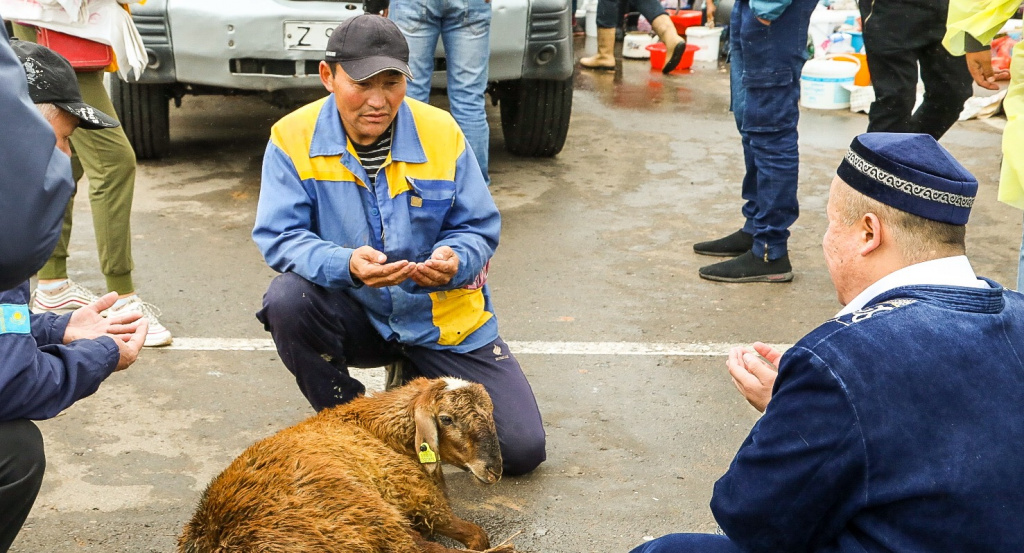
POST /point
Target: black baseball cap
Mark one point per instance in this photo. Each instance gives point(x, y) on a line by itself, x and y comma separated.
point(367, 45)
point(51, 80)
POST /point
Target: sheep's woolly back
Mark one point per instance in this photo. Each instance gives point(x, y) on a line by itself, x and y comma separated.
point(344, 480)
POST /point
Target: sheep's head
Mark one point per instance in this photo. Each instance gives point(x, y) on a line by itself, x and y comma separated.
point(455, 424)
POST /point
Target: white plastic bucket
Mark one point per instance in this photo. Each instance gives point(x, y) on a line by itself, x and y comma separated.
point(709, 41)
point(826, 83)
point(634, 45)
point(590, 22)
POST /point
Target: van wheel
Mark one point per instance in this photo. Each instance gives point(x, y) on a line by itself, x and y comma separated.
point(535, 116)
point(144, 112)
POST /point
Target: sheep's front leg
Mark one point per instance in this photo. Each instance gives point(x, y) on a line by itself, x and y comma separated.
point(464, 532)
point(426, 546)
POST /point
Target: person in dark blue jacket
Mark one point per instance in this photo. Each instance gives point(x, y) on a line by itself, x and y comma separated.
point(895, 426)
point(47, 362)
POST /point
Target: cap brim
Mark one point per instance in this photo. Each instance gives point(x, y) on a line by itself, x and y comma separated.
point(89, 117)
point(364, 68)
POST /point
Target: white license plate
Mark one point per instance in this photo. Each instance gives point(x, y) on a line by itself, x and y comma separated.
point(308, 35)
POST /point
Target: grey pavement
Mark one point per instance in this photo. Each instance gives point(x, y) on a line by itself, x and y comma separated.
point(596, 247)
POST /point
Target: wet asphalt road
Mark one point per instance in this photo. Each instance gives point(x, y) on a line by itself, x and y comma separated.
point(596, 247)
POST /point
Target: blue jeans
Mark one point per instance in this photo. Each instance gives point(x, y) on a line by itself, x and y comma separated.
point(464, 27)
point(1020, 268)
point(765, 64)
point(689, 543)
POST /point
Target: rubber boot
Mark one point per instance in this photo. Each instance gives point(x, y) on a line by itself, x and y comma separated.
point(675, 45)
point(605, 58)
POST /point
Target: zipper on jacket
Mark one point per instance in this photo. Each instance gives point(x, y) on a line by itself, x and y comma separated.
point(766, 252)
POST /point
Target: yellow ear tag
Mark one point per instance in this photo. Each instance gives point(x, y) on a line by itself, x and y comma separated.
point(427, 455)
point(416, 201)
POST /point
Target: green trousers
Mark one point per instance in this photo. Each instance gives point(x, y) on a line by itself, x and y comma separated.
point(107, 158)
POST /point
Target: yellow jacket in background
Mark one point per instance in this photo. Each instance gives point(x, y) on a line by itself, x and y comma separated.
point(982, 19)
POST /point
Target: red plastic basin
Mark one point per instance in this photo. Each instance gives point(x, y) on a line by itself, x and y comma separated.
point(658, 50)
point(685, 18)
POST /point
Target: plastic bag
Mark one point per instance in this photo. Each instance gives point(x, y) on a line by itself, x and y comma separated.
point(108, 23)
point(57, 11)
point(1002, 52)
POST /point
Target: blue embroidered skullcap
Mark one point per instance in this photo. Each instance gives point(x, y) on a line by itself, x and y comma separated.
point(912, 173)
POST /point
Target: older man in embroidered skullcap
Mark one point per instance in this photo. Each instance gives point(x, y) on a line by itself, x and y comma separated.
point(896, 425)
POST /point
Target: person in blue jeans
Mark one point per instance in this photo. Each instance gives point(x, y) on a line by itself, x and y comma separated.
point(768, 45)
point(464, 27)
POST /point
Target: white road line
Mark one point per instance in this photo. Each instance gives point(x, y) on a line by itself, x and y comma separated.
point(664, 349)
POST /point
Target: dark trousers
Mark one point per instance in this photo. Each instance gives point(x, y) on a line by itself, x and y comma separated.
point(22, 463)
point(609, 15)
point(689, 543)
point(765, 66)
point(947, 85)
point(319, 333)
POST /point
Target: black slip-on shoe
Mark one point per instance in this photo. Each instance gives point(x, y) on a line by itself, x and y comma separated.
point(735, 244)
point(748, 268)
point(677, 56)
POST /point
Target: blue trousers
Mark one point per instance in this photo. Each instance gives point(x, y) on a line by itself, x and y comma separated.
point(765, 64)
point(464, 27)
point(1020, 268)
point(319, 333)
point(689, 543)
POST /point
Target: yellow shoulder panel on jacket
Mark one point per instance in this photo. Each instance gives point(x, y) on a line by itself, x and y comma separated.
point(442, 142)
point(440, 136)
point(294, 134)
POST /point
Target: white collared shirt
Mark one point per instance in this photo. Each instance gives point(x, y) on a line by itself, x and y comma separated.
point(947, 271)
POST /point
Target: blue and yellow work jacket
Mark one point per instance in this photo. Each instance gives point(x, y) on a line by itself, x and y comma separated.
point(316, 206)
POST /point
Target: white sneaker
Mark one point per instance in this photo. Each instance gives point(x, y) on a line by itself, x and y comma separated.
point(65, 299)
point(158, 335)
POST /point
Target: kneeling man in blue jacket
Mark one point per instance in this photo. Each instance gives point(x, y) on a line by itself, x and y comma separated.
point(375, 212)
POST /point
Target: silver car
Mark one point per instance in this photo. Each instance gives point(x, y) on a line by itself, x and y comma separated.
point(272, 48)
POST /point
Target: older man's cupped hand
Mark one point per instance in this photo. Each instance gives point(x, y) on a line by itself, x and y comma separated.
point(370, 266)
point(127, 329)
point(753, 371)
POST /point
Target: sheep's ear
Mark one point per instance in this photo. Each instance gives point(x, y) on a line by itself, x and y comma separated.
point(426, 439)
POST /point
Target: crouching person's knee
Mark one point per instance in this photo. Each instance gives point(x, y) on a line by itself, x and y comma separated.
point(22, 457)
point(289, 298)
point(22, 464)
point(524, 451)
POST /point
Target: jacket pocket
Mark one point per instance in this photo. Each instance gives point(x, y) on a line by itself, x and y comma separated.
point(457, 314)
point(429, 204)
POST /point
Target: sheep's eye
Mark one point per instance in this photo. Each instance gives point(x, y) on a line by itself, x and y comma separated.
point(446, 420)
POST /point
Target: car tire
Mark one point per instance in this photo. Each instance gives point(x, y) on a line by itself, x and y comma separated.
point(144, 111)
point(535, 116)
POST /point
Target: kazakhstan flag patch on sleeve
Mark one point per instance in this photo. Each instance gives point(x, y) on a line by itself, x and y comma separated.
point(14, 319)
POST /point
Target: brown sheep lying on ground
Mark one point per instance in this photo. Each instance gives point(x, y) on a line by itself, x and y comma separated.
point(357, 478)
